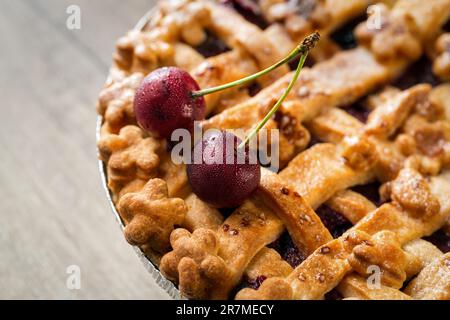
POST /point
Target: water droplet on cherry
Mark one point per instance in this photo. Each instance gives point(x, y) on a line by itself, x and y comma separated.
point(222, 183)
point(164, 102)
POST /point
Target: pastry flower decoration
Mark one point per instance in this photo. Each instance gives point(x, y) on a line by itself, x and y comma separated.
point(169, 99)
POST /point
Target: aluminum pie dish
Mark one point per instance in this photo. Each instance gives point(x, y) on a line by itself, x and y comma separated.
point(165, 284)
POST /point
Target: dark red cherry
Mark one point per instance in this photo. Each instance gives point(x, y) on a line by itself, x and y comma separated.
point(163, 102)
point(218, 178)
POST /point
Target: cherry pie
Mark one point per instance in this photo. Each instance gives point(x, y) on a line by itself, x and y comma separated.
point(364, 183)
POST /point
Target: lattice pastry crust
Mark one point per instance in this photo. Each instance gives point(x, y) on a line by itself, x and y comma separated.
point(311, 230)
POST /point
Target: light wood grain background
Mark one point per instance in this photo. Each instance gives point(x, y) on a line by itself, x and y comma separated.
point(53, 209)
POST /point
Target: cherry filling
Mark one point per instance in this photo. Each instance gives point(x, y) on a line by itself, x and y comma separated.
point(358, 111)
point(336, 223)
point(253, 89)
point(247, 282)
point(345, 36)
point(212, 46)
point(419, 72)
point(446, 27)
point(288, 251)
point(370, 191)
point(313, 141)
point(441, 240)
point(249, 9)
point(254, 283)
point(294, 63)
point(226, 212)
point(333, 295)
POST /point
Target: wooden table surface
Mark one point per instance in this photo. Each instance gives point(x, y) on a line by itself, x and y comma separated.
point(54, 211)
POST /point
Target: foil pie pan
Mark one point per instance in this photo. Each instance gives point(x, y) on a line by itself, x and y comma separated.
point(165, 284)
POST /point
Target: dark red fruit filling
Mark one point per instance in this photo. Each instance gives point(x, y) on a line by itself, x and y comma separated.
point(288, 251)
point(446, 27)
point(294, 63)
point(249, 9)
point(255, 283)
point(345, 37)
point(419, 72)
point(370, 191)
point(336, 223)
point(212, 46)
point(226, 212)
point(441, 240)
point(333, 295)
point(313, 141)
point(406, 283)
point(246, 282)
point(253, 89)
point(358, 111)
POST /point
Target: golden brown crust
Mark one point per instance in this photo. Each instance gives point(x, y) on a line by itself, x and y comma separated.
point(428, 16)
point(293, 136)
point(250, 37)
point(242, 235)
point(145, 50)
point(269, 264)
point(320, 272)
point(430, 138)
point(420, 254)
point(222, 69)
point(388, 117)
point(151, 215)
point(129, 156)
point(194, 263)
point(115, 102)
point(405, 145)
point(433, 282)
point(376, 239)
point(201, 215)
point(441, 65)
point(357, 287)
point(351, 205)
point(175, 175)
point(271, 289)
point(304, 226)
point(319, 172)
point(394, 39)
point(440, 99)
point(359, 153)
point(382, 250)
point(301, 18)
point(412, 192)
point(333, 124)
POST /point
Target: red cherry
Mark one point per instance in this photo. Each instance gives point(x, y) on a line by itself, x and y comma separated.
point(164, 102)
point(169, 98)
point(222, 184)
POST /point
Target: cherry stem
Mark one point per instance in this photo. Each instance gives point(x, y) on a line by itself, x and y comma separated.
point(274, 109)
point(307, 44)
